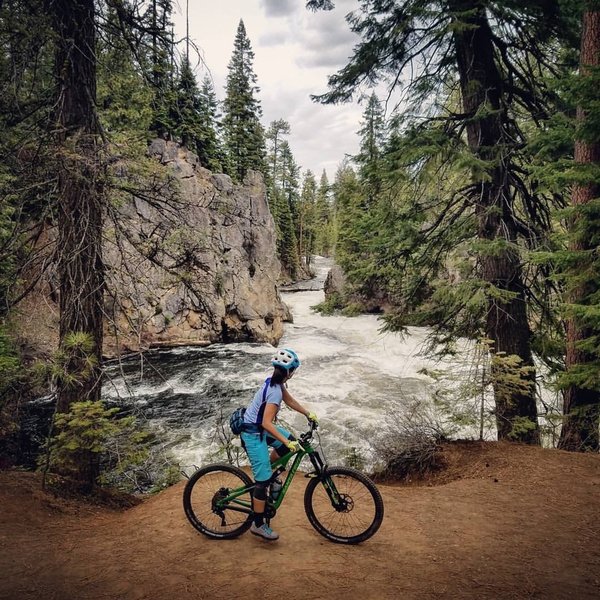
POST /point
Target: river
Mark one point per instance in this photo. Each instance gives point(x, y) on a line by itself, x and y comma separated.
point(352, 376)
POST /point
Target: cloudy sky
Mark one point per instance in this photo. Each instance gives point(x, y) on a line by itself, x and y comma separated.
point(295, 50)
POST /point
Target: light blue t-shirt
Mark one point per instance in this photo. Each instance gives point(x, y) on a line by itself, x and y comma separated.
point(254, 412)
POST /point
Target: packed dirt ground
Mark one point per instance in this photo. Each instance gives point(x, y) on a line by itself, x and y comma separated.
point(502, 521)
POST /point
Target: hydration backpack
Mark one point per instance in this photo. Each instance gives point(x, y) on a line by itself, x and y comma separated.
point(236, 421)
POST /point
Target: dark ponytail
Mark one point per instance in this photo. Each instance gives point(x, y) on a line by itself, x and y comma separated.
point(278, 377)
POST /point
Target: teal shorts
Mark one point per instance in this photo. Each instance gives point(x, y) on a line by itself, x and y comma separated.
point(257, 448)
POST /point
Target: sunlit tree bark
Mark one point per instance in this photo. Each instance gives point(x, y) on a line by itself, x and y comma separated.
point(582, 396)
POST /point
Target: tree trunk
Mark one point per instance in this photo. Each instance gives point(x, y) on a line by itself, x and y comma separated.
point(80, 204)
point(582, 406)
point(507, 324)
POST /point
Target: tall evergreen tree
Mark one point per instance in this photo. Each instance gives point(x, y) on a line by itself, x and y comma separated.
point(243, 133)
point(306, 217)
point(282, 178)
point(290, 173)
point(277, 129)
point(372, 142)
point(580, 429)
point(497, 51)
point(27, 186)
point(348, 205)
point(124, 96)
point(324, 240)
point(81, 201)
point(360, 260)
point(158, 25)
point(195, 118)
point(210, 148)
point(287, 248)
point(187, 118)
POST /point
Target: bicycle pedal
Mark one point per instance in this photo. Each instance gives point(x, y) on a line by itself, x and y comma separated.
point(311, 475)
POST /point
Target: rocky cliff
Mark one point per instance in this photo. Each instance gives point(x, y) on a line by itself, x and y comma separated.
point(194, 267)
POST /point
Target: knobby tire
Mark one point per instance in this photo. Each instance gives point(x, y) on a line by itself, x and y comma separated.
point(363, 515)
point(198, 496)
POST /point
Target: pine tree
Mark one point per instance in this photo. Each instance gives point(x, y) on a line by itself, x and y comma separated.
point(361, 259)
point(480, 49)
point(243, 132)
point(348, 204)
point(277, 129)
point(81, 202)
point(306, 217)
point(157, 22)
point(372, 142)
point(290, 173)
point(124, 96)
point(287, 248)
point(282, 179)
point(580, 429)
point(210, 149)
point(187, 120)
point(27, 186)
point(324, 230)
point(195, 118)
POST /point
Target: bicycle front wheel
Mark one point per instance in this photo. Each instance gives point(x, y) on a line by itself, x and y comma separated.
point(344, 505)
point(203, 501)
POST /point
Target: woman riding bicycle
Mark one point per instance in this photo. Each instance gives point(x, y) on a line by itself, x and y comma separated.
point(260, 431)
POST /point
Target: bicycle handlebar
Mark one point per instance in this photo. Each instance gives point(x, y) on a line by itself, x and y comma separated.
point(307, 436)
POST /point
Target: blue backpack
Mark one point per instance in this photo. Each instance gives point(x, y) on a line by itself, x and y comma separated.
point(236, 421)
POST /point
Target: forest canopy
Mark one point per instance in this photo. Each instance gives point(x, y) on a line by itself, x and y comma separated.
point(470, 208)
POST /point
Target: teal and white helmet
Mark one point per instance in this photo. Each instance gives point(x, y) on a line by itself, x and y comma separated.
point(286, 359)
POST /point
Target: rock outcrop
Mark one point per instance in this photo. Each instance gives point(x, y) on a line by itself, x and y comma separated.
point(340, 293)
point(195, 267)
point(200, 268)
point(335, 282)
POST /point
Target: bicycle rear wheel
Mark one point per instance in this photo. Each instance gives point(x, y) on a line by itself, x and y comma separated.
point(202, 498)
point(344, 505)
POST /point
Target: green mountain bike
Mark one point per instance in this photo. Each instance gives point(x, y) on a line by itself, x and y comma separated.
point(341, 503)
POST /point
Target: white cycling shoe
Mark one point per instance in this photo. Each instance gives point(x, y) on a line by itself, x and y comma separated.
point(264, 531)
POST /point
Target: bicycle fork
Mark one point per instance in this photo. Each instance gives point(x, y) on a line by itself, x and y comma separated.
point(328, 484)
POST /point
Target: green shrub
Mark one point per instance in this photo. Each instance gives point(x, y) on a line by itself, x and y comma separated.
point(332, 303)
point(11, 384)
point(354, 309)
point(92, 444)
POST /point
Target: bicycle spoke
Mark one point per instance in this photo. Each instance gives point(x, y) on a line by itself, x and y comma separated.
point(204, 496)
point(355, 513)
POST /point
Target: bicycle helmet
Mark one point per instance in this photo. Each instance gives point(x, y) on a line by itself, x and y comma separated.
point(286, 359)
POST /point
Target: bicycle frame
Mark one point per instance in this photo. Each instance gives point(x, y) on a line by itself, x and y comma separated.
point(233, 502)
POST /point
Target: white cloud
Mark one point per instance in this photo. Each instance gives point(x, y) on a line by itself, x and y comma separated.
point(321, 136)
point(275, 38)
point(279, 8)
point(295, 51)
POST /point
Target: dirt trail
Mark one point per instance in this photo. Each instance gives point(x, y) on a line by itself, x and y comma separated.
point(504, 521)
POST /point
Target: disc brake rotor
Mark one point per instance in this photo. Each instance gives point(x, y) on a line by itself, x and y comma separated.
point(345, 504)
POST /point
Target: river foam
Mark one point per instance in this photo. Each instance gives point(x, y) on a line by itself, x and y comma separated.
point(351, 376)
